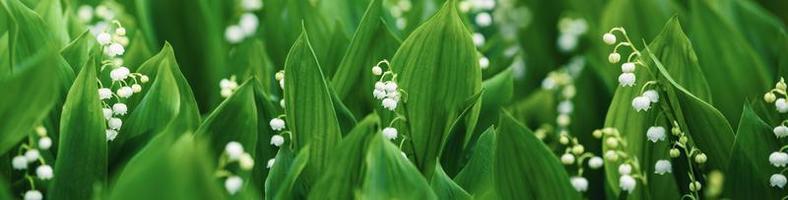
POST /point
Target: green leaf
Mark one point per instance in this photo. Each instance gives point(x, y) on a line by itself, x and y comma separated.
point(371, 43)
point(764, 31)
point(748, 171)
point(437, 67)
point(389, 175)
point(675, 51)
point(266, 110)
point(82, 152)
point(34, 96)
point(343, 176)
point(311, 117)
point(249, 60)
point(4, 193)
point(52, 13)
point(477, 176)
point(169, 169)
point(289, 16)
point(445, 188)
point(498, 92)
point(722, 57)
point(78, 51)
point(521, 157)
point(287, 168)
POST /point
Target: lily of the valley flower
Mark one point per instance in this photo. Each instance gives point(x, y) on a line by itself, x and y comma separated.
point(595, 162)
point(44, 172)
point(277, 140)
point(778, 159)
point(777, 180)
point(662, 167)
point(277, 124)
point(579, 183)
point(33, 195)
point(626, 79)
point(656, 133)
point(390, 133)
point(233, 184)
point(641, 103)
point(234, 150)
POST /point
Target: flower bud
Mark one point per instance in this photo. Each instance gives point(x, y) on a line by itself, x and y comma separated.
point(769, 97)
point(614, 57)
point(674, 153)
point(609, 38)
point(700, 158)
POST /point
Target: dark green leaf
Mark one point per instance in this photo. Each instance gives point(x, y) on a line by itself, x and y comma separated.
point(389, 175)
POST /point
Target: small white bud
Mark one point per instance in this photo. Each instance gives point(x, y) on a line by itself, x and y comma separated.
point(628, 67)
point(115, 49)
point(233, 184)
point(777, 180)
point(144, 79)
point(249, 23)
point(120, 31)
point(125, 92)
point(389, 104)
point(780, 131)
point(595, 162)
point(115, 123)
point(111, 134)
point(778, 159)
point(614, 57)
point(44, 172)
point(652, 95)
point(85, 13)
point(627, 183)
point(234, 34)
point(19, 162)
point(33, 195)
point(226, 93)
point(282, 103)
point(695, 186)
point(563, 120)
point(41, 131)
point(32, 155)
point(662, 167)
point(103, 38)
point(44, 143)
point(246, 162)
point(579, 183)
point(781, 105)
point(282, 84)
point(484, 63)
point(611, 142)
point(136, 88)
point(701, 158)
point(279, 75)
point(769, 97)
point(234, 150)
point(277, 140)
point(625, 169)
point(609, 38)
point(119, 74)
point(104, 93)
point(483, 19)
point(380, 86)
point(270, 163)
point(251, 5)
point(390, 133)
point(227, 84)
point(656, 133)
point(277, 124)
point(390, 86)
point(478, 39)
point(567, 159)
point(611, 155)
point(107, 113)
point(641, 103)
point(377, 71)
point(626, 80)
point(565, 107)
point(119, 109)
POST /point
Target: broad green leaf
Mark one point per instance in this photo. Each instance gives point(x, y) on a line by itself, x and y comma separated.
point(537, 38)
point(29, 32)
point(170, 167)
point(477, 176)
point(288, 16)
point(288, 167)
point(437, 67)
point(705, 125)
point(77, 52)
point(371, 43)
point(764, 31)
point(725, 57)
point(337, 45)
point(250, 59)
point(389, 175)
point(138, 51)
point(520, 157)
point(266, 110)
point(82, 153)
point(343, 176)
point(445, 188)
point(676, 53)
point(749, 172)
point(4, 193)
point(33, 98)
point(52, 13)
point(311, 117)
point(536, 109)
point(498, 92)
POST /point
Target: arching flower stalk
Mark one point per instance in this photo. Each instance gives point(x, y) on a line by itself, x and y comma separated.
point(29, 155)
point(123, 83)
point(779, 158)
point(248, 22)
point(233, 154)
point(387, 90)
point(648, 101)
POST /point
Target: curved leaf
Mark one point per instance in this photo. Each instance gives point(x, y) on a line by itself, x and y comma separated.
point(389, 175)
point(286, 170)
point(82, 153)
point(477, 176)
point(521, 157)
point(438, 69)
point(445, 188)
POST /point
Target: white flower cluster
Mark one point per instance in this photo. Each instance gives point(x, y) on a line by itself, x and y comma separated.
point(570, 31)
point(644, 101)
point(626, 182)
point(627, 77)
point(399, 10)
point(227, 87)
point(31, 156)
point(778, 159)
point(114, 41)
point(126, 84)
point(247, 22)
point(615, 146)
point(234, 152)
point(386, 91)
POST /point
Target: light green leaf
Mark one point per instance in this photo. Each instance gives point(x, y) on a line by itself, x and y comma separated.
point(310, 112)
point(281, 182)
point(437, 67)
point(676, 53)
point(445, 188)
point(520, 158)
point(477, 176)
point(77, 52)
point(748, 172)
point(52, 13)
point(389, 175)
point(82, 153)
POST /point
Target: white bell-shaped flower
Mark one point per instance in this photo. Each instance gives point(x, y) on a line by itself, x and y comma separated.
point(627, 183)
point(104, 93)
point(115, 123)
point(641, 103)
point(33, 195)
point(136, 88)
point(778, 159)
point(609, 38)
point(115, 49)
point(233, 184)
point(579, 183)
point(111, 134)
point(652, 95)
point(377, 71)
point(656, 133)
point(484, 62)
point(44, 143)
point(389, 104)
point(625, 169)
point(107, 113)
point(565, 107)
point(249, 23)
point(780, 131)
point(567, 159)
point(662, 167)
point(103, 38)
point(390, 133)
point(251, 5)
point(19, 162)
point(483, 19)
point(119, 109)
point(628, 67)
point(614, 57)
point(246, 162)
point(44, 172)
point(32, 155)
point(119, 74)
point(277, 140)
point(626, 79)
point(234, 34)
point(277, 124)
point(234, 150)
point(777, 180)
point(478, 39)
point(125, 92)
point(781, 105)
point(379, 94)
point(391, 86)
point(595, 162)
